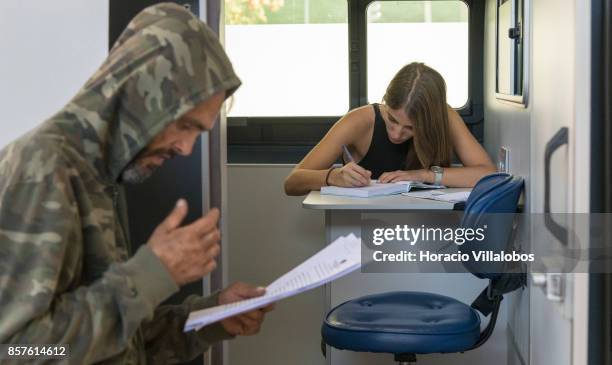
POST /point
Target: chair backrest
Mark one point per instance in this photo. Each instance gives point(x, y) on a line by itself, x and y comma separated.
point(485, 185)
point(492, 204)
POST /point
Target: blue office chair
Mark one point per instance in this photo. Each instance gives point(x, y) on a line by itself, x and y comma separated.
point(409, 323)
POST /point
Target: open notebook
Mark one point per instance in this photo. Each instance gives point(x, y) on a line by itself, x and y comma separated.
point(377, 189)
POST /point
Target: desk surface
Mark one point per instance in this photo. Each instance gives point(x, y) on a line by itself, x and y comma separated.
point(315, 200)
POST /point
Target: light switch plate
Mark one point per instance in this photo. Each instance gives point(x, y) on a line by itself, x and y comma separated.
point(503, 160)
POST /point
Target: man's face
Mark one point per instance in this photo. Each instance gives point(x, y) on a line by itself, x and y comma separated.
point(177, 138)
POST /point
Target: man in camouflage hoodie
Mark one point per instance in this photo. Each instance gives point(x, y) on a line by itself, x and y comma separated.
point(65, 272)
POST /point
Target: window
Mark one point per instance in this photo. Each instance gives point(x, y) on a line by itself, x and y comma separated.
point(305, 63)
point(511, 29)
point(292, 56)
point(433, 32)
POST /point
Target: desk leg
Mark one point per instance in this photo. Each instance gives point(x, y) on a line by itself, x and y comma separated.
point(338, 223)
point(327, 298)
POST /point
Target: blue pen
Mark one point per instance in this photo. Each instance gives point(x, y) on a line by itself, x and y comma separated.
point(347, 153)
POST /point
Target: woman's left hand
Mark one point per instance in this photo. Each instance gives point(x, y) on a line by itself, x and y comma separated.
point(401, 175)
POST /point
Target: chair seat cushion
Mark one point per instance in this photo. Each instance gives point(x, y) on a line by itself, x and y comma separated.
point(402, 322)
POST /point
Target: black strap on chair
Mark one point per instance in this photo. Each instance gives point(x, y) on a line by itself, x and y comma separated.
point(484, 336)
point(487, 300)
point(323, 347)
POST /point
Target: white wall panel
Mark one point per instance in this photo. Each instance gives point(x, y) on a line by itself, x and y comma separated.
point(269, 233)
point(49, 49)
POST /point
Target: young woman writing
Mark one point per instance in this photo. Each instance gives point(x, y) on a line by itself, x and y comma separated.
point(411, 136)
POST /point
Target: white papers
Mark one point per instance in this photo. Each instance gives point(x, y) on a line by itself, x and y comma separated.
point(455, 197)
point(377, 189)
point(336, 260)
point(365, 191)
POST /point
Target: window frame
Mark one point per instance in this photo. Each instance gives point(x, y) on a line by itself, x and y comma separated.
point(524, 24)
point(285, 140)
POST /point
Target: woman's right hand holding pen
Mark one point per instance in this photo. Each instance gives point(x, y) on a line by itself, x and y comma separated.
point(350, 175)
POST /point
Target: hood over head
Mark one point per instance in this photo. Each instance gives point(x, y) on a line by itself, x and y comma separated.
point(165, 63)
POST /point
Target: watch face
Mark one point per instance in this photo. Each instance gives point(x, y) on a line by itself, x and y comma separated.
point(436, 169)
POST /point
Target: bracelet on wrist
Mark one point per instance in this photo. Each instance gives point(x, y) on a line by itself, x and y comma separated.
point(328, 174)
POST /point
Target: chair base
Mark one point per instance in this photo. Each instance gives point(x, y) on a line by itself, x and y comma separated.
point(405, 359)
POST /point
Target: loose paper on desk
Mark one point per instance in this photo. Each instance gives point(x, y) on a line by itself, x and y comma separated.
point(377, 189)
point(441, 195)
point(334, 261)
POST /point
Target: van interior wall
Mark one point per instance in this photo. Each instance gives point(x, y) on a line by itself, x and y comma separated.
point(508, 125)
point(50, 48)
point(269, 234)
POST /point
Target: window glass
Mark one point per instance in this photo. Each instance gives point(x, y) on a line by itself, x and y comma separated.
point(292, 57)
point(510, 50)
point(433, 32)
point(504, 49)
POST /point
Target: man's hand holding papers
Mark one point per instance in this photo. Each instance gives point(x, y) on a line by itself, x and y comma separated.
point(334, 261)
point(248, 323)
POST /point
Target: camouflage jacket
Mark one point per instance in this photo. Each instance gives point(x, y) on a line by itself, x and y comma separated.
point(65, 273)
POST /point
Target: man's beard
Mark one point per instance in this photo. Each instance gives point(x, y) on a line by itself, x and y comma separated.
point(135, 173)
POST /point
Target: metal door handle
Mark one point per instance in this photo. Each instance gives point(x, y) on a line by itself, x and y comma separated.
point(559, 139)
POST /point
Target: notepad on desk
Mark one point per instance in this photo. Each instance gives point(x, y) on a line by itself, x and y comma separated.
point(377, 189)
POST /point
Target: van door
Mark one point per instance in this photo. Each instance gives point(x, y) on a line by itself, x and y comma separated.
point(560, 102)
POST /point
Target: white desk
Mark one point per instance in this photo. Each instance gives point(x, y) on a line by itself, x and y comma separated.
point(315, 200)
point(343, 215)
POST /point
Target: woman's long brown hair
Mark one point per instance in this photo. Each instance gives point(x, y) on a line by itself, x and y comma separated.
point(421, 92)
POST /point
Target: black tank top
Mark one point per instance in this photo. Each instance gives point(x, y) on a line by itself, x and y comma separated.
point(383, 155)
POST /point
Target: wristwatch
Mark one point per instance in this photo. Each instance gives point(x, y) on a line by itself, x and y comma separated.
point(438, 171)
